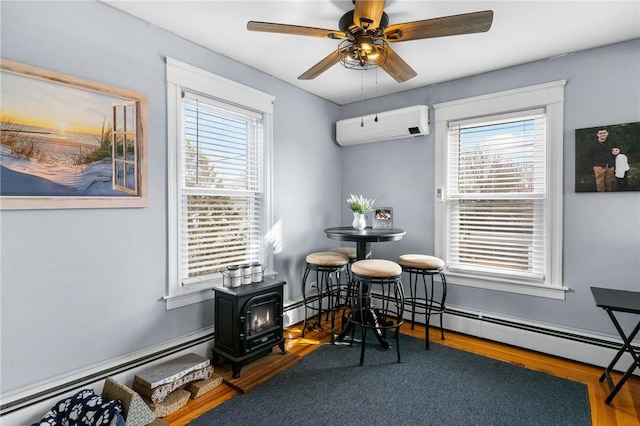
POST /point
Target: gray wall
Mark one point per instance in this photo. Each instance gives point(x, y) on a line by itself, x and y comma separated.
point(71, 298)
point(83, 286)
point(601, 231)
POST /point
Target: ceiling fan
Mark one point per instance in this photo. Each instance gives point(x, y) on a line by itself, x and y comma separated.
point(365, 35)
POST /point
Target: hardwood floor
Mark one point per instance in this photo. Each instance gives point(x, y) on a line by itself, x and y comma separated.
point(623, 411)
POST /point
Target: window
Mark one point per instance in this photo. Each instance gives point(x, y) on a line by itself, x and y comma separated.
point(499, 190)
point(219, 179)
point(125, 148)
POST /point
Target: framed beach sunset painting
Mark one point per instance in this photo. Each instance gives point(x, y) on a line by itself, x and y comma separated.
point(67, 142)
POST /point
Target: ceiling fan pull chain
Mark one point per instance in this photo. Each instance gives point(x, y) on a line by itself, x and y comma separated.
point(376, 119)
point(362, 101)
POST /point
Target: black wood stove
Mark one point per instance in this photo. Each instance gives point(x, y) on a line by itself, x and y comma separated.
point(248, 322)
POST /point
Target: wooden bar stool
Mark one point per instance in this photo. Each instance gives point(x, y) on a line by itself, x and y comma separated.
point(382, 280)
point(419, 265)
point(328, 266)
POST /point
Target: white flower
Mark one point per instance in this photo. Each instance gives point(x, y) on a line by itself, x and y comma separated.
point(359, 204)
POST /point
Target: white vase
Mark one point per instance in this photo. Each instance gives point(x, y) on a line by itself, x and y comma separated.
point(359, 221)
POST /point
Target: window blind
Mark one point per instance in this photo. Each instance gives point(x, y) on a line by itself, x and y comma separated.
point(221, 196)
point(496, 195)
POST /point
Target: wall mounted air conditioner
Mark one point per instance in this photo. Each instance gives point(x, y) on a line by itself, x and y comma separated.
point(395, 124)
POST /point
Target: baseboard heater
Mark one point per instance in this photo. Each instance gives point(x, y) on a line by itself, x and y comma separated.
point(72, 385)
point(575, 337)
point(537, 329)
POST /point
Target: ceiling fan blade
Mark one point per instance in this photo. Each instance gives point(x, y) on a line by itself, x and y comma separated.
point(321, 66)
point(368, 13)
point(396, 67)
point(466, 23)
point(269, 27)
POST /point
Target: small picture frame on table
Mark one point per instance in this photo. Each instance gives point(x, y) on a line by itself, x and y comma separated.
point(383, 218)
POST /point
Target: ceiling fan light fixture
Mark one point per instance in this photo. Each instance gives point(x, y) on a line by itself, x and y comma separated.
point(363, 52)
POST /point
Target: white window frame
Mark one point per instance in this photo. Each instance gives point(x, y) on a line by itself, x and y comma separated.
point(549, 96)
point(181, 76)
point(124, 130)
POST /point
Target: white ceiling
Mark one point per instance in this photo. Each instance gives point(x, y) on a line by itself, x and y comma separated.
point(522, 31)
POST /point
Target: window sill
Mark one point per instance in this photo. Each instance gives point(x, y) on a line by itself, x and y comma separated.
point(506, 286)
point(179, 300)
point(203, 293)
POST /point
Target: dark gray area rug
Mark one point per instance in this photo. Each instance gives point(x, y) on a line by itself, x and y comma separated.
point(441, 386)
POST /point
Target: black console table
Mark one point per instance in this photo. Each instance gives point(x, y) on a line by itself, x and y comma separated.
point(619, 301)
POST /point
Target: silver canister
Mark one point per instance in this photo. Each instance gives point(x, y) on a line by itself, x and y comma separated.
point(256, 272)
point(234, 273)
point(246, 273)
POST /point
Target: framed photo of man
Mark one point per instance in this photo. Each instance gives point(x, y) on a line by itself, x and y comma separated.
point(608, 158)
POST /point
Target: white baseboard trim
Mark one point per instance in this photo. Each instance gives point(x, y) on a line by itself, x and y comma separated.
point(27, 405)
point(576, 345)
